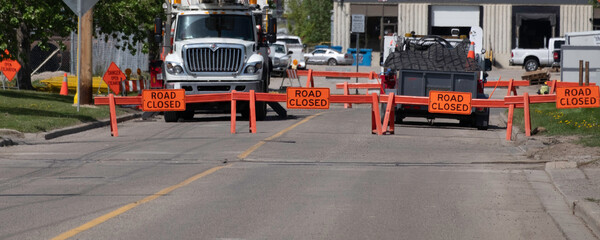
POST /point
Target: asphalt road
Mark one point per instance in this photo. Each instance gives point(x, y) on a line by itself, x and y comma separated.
point(314, 175)
point(325, 178)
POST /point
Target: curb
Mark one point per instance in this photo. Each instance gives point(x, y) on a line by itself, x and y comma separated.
point(590, 213)
point(87, 126)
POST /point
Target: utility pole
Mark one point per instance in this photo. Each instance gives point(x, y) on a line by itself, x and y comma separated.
point(87, 26)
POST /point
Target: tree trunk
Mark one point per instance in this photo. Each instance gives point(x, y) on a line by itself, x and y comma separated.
point(86, 58)
point(24, 76)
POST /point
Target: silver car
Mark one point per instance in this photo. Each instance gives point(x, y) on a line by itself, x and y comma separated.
point(328, 56)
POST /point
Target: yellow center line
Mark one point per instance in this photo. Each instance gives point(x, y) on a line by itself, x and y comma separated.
point(262, 142)
point(130, 206)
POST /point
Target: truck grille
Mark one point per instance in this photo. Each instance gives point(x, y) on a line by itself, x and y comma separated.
point(204, 59)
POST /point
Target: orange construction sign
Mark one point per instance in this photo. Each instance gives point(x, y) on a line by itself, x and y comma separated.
point(450, 102)
point(113, 77)
point(9, 67)
point(158, 100)
point(578, 97)
point(307, 98)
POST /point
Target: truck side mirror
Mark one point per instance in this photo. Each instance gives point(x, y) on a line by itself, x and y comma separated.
point(272, 30)
point(158, 26)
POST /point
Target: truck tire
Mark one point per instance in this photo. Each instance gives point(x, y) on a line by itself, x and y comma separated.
point(261, 111)
point(187, 114)
point(331, 62)
point(531, 64)
point(171, 116)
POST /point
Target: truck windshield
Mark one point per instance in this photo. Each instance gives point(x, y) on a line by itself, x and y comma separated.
point(221, 26)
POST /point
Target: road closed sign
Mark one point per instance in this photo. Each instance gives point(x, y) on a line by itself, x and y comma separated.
point(308, 98)
point(450, 102)
point(578, 97)
point(159, 100)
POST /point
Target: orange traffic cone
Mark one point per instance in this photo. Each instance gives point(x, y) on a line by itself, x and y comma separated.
point(471, 53)
point(64, 89)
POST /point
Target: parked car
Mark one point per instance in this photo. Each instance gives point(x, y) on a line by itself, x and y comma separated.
point(280, 57)
point(532, 59)
point(294, 44)
point(328, 56)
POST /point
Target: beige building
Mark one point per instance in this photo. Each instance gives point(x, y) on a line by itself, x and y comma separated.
point(506, 24)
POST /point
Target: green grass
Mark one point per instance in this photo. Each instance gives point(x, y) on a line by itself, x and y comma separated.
point(33, 111)
point(584, 122)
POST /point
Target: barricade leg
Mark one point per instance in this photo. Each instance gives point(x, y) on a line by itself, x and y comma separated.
point(113, 116)
point(510, 86)
point(527, 117)
point(309, 79)
point(393, 118)
point(509, 122)
point(375, 114)
point(347, 92)
point(252, 112)
point(386, 118)
point(552, 86)
point(233, 112)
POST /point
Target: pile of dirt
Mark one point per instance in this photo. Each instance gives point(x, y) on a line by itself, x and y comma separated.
point(562, 148)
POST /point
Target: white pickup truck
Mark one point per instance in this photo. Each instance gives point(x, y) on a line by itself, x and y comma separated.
point(532, 59)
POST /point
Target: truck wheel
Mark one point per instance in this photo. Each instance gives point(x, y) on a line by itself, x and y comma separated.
point(531, 65)
point(261, 111)
point(171, 116)
point(331, 62)
point(187, 114)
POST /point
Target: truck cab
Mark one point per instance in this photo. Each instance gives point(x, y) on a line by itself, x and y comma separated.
point(215, 48)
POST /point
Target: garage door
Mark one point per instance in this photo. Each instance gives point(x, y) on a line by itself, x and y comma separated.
point(455, 16)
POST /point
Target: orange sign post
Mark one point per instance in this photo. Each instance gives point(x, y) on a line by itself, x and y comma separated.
point(113, 78)
point(450, 102)
point(578, 97)
point(158, 100)
point(307, 98)
point(10, 68)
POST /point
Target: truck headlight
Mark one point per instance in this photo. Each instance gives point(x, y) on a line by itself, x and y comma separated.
point(253, 68)
point(174, 68)
point(276, 61)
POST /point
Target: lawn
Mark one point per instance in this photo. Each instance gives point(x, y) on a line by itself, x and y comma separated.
point(584, 122)
point(35, 111)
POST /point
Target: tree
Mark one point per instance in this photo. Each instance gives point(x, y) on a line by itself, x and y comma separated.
point(28, 21)
point(130, 21)
point(310, 19)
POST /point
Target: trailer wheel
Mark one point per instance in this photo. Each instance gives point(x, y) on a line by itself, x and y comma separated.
point(171, 116)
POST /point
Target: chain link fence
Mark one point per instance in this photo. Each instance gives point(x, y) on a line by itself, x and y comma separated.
point(104, 52)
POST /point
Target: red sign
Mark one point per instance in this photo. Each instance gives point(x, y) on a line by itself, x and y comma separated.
point(113, 78)
point(9, 67)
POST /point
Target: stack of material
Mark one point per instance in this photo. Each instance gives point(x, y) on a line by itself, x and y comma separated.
point(536, 77)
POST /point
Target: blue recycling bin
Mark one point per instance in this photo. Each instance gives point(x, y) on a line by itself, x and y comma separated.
point(364, 57)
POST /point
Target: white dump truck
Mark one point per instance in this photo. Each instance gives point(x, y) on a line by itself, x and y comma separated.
point(215, 46)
